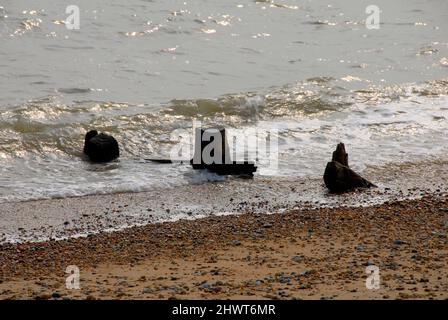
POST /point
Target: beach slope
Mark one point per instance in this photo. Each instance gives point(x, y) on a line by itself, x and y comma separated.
point(302, 254)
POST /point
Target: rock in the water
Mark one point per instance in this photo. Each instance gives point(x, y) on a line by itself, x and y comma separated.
point(338, 177)
point(100, 147)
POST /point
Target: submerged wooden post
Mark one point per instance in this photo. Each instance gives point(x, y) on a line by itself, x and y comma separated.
point(100, 147)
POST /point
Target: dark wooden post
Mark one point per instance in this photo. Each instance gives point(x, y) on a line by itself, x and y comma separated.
point(338, 177)
point(226, 165)
point(200, 143)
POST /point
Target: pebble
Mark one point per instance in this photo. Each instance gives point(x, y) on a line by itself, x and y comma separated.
point(147, 290)
point(205, 286)
point(43, 296)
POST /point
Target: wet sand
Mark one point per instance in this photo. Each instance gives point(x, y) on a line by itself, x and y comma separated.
point(299, 254)
point(68, 217)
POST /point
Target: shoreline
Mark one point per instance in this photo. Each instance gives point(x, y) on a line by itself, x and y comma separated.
point(42, 220)
point(298, 254)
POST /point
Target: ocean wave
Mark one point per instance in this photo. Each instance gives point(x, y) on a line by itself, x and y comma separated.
point(44, 125)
